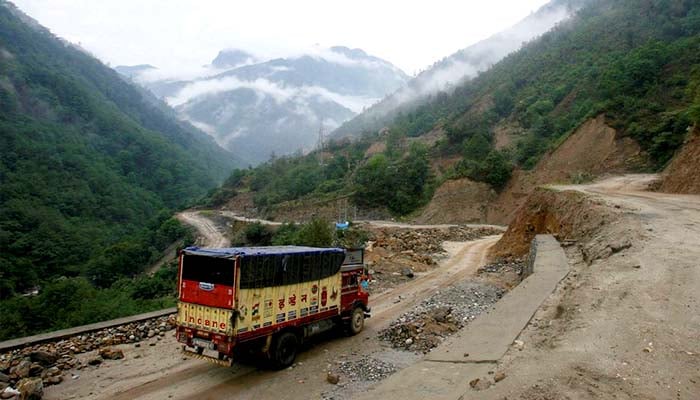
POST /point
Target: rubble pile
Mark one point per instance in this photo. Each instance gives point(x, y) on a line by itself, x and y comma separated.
point(429, 323)
point(501, 266)
point(365, 369)
point(391, 251)
point(45, 364)
point(421, 244)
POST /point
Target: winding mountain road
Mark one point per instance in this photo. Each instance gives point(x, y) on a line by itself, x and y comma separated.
point(161, 372)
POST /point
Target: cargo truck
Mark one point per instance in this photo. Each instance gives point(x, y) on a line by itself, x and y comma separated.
point(266, 300)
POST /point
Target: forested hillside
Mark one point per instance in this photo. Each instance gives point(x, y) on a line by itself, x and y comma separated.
point(451, 71)
point(634, 61)
point(90, 171)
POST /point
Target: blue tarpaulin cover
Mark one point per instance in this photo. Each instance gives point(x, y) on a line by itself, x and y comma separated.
point(233, 252)
point(341, 226)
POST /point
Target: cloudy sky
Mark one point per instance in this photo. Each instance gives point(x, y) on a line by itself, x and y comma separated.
point(171, 34)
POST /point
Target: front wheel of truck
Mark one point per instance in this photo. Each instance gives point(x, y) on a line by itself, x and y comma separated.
point(284, 350)
point(357, 321)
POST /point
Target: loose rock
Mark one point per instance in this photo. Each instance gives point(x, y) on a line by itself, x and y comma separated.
point(31, 389)
point(45, 358)
point(332, 378)
point(9, 393)
point(365, 369)
point(111, 354)
point(429, 323)
point(499, 376)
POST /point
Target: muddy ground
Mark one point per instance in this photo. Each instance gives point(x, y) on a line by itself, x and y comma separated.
point(156, 369)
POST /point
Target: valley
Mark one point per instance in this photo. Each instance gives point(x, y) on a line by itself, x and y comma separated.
point(528, 207)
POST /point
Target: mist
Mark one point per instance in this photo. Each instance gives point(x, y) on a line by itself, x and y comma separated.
point(463, 65)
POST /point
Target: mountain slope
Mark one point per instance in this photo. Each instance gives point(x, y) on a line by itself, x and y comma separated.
point(278, 106)
point(620, 79)
point(89, 167)
point(465, 64)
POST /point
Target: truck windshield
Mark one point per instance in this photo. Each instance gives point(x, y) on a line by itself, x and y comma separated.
point(218, 271)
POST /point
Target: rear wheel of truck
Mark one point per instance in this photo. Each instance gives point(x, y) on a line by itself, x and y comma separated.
point(357, 321)
point(284, 350)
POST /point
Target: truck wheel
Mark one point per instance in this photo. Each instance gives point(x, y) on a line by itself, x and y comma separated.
point(357, 321)
point(284, 351)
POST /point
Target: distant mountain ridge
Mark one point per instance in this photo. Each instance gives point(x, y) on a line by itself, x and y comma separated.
point(258, 108)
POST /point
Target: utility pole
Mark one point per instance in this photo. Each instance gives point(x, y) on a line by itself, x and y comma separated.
point(319, 146)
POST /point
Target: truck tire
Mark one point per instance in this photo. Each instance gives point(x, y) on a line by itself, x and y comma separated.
point(357, 321)
point(284, 350)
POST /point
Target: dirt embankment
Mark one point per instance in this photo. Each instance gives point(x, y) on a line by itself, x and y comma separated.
point(459, 201)
point(594, 149)
point(681, 175)
point(572, 217)
point(623, 324)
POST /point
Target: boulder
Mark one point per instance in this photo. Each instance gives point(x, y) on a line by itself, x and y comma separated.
point(31, 389)
point(21, 370)
point(44, 358)
point(35, 369)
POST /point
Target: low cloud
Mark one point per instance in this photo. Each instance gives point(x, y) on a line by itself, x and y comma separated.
point(281, 94)
point(468, 63)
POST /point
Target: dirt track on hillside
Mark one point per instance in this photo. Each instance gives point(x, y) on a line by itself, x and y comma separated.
point(159, 371)
point(210, 235)
point(625, 326)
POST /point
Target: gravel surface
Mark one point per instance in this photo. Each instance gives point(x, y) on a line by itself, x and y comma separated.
point(50, 362)
point(515, 265)
point(365, 369)
point(428, 324)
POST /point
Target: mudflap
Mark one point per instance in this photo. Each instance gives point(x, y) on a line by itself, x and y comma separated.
point(214, 360)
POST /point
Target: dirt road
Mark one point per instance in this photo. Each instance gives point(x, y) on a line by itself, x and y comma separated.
point(210, 234)
point(627, 326)
point(159, 371)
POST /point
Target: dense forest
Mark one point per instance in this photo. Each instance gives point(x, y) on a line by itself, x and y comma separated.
point(635, 61)
point(91, 172)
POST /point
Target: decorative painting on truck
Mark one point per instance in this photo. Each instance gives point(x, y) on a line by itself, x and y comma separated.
point(310, 284)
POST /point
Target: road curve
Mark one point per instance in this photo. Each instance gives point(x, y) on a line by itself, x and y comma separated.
point(161, 372)
point(210, 235)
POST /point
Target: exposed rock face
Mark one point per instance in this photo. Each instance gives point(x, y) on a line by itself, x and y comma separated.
point(681, 175)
